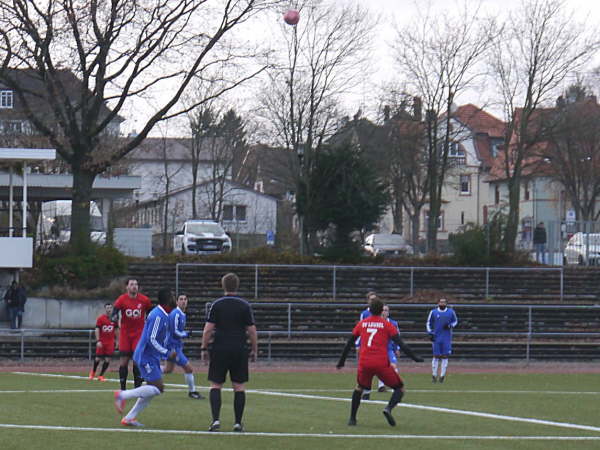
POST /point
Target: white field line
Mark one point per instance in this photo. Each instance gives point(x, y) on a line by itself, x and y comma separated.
point(69, 391)
point(305, 435)
point(403, 405)
point(292, 390)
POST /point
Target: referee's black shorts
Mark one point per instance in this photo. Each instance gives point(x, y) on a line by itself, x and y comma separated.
point(234, 361)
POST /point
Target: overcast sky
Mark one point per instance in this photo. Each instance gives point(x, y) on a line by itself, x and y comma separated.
point(395, 13)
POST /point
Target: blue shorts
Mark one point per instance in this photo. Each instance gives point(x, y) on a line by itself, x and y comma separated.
point(180, 358)
point(392, 357)
point(150, 369)
point(442, 347)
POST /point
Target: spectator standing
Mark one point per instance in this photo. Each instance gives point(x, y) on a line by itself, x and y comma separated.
point(11, 298)
point(539, 242)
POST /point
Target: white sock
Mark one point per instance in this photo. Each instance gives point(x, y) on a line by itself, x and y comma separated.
point(189, 379)
point(139, 406)
point(380, 384)
point(141, 392)
point(444, 366)
point(434, 366)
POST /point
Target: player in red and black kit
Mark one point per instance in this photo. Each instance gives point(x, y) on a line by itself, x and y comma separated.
point(105, 341)
point(375, 332)
point(133, 307)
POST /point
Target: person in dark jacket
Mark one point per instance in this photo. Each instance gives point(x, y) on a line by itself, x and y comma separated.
point(539, 242)
point(11, 297)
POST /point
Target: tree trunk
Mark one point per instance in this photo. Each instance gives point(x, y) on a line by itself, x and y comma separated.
point(80, 208)
point(512, 225)
point(432, 223)
point(414, 221)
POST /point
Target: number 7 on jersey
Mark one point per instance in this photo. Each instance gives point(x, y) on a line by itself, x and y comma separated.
point(372, 332)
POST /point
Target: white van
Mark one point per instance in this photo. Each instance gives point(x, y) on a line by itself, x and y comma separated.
point(55, 223)
point(387, 244)
point(201, 237)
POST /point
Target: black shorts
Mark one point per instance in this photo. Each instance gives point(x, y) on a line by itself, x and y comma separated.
point(234, 361)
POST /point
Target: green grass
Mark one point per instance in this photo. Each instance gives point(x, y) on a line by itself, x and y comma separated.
point(564, 398)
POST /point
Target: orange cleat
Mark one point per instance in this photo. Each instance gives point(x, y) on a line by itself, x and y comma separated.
point(131, 422)
point(119, 402)
point(92, 375)
point(101, 378)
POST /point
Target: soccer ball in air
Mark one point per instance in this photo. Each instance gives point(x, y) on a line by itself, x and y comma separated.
point(291, 17)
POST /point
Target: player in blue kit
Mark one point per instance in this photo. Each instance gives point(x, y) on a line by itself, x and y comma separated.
point(393, 348)
point(177, 334)
point(440, 322)
point(151, 349)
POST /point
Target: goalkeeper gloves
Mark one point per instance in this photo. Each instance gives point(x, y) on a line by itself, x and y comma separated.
point(448, 326)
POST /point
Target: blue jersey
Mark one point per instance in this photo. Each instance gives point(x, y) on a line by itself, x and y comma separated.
point(440, 323)
point(392, 346)
point(153, 343)
point(177, 327)
point(366, 313)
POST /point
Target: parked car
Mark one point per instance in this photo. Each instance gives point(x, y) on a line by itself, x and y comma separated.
point(201, 237)
point(583, 249)
point(387, 245)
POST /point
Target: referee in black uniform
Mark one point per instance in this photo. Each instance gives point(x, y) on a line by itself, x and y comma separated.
point(229, 323)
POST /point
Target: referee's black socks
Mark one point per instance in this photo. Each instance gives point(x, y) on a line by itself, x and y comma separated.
point(215, 403)
point(239, 401)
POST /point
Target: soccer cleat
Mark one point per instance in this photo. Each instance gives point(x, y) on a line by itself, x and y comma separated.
point(366, 396)
point(119, 402)
point(215, 426)
point(238, 428)
point(388, 415)
point(433, 379)
point(442, 379)
point(381, 389)
point(131, 422)
point(92, 375)
point(352, 422)
point(101, 378)
point(195, 395)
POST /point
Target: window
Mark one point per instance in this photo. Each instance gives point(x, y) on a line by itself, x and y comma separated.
point(526, 194)
point(234, 212)
point(462, 217)
point(456, 151)
point(496, 195)
point(6, 99)
point(496, 144)
point(465, 184)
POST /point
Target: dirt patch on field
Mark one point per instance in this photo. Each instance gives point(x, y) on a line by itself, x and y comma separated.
point(79, 365)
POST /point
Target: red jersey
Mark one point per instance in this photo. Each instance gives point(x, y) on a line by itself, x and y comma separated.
point(375, 333)
point(106, 329)
point(133, 312)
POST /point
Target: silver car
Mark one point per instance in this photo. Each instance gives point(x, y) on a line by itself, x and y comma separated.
point(583, 249)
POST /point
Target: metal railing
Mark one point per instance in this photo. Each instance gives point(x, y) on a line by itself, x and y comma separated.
point(486, 272)
point(528, 324)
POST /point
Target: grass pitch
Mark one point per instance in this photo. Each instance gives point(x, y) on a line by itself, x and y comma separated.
point(309, 411)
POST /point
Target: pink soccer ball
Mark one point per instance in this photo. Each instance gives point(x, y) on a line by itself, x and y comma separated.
point(291, 17)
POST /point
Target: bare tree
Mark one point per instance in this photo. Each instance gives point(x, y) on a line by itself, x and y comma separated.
point(438, 55)
point(117, 50)
point(324, 56)
point(170, 171)
point(539, 46)
point(203, 125)
point(573, 150)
